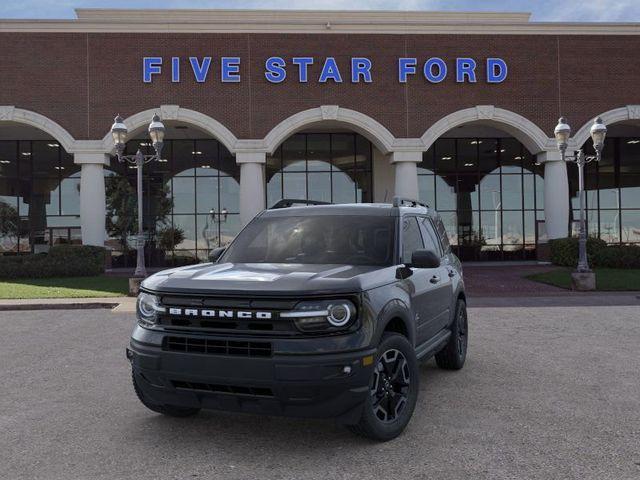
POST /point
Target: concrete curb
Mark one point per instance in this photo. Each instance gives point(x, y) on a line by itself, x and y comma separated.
point(56, 306)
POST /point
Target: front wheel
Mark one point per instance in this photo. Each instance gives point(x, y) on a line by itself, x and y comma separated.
point(393, 390)
point(453, 355)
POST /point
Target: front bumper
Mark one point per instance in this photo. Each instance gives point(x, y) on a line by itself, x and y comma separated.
point(327, 385)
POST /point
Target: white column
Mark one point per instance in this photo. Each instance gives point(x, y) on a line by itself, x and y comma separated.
point(406, 169)
point(92, 197)
point(252, 188)
point(556, 194)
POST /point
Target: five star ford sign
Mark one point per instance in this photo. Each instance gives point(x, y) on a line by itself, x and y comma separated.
point(361, 69)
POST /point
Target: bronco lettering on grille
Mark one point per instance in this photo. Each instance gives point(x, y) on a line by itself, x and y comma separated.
point(195, 312)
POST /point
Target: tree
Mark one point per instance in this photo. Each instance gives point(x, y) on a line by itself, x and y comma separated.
point(122, 209)
point(9, 221)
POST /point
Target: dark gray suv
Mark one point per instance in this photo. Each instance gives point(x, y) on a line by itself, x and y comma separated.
point(314, 310)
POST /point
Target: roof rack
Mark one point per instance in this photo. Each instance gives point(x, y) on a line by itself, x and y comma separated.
point(400, 201)
point(292, 202)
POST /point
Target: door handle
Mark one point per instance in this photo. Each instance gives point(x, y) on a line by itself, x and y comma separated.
point(452, 273)
point(435, 279)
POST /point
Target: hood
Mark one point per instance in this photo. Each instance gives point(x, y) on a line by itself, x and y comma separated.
point(269, 279)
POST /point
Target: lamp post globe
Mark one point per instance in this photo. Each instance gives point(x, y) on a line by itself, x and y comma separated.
point(156, 132)
point(562, 133)
point(119, 133)
point(598, 133)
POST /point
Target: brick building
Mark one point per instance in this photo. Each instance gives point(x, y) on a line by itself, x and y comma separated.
point(457, 109)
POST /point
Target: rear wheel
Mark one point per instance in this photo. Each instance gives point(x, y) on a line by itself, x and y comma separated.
point(393, 390)
point(453, 355)
point(169, 410)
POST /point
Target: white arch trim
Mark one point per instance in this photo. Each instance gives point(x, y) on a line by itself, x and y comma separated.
point(527, 132)
point(177, 113)
point(382, 138)
point(10, 113)
point(629, 112)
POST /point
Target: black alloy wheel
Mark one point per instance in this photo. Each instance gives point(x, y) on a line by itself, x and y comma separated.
point(454, 353)
point(393, 390)
point(390, 386)
point(462, 332)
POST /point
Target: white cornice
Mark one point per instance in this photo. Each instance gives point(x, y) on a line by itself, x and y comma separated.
point(297, 21)
point(295, 16)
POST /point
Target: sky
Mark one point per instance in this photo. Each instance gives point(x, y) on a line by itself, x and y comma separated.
point(542, 10)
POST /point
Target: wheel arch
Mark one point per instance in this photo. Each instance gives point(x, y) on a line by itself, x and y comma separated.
point(396, 317)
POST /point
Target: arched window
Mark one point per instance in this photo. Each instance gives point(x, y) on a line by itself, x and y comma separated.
point(489, 192)
point(39, 196)
point(329, 167)
point(191, 200)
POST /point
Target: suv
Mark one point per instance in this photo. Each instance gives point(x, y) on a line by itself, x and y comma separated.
point(313, 311)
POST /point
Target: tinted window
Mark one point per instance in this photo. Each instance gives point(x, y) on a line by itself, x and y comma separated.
point(442, 233)
point(318, 239)
point(429, 235)
point(411, 238)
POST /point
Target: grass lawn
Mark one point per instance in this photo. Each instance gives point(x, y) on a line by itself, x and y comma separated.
point(607, 279)
point(72, 287)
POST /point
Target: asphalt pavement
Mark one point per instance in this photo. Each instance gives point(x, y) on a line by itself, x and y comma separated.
point(547, 393)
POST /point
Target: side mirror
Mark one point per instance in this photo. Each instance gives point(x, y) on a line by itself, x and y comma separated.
point(216, 253)
point(424, 259)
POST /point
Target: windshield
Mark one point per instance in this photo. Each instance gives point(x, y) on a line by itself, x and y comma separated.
point(321, 239)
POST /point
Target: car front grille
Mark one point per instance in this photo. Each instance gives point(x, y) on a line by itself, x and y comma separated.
point(216, 388)
point(274, 326)
point(211, 346)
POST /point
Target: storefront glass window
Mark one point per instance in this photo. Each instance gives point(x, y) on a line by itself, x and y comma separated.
point(489, 192)
point(328, 167)
point(39, 196)
point(191, 202)
point(612, 191)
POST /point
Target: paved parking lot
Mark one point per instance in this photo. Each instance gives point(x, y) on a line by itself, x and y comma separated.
point(547, 393)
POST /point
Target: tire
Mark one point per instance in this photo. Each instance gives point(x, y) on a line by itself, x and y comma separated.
point(393, 390)
point(453, 355)
point(169, 410)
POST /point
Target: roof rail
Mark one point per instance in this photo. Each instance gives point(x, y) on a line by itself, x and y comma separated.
point(400, 201)
point(292, 202)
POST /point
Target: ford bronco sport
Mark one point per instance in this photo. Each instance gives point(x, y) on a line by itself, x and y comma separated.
point(314, 310)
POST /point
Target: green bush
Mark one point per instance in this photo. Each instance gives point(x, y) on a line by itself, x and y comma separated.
point(564, 251)
point(61, 261)
point(618, 256)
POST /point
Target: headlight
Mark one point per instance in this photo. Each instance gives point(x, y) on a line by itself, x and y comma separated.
point(147, 309)
point(323, 315)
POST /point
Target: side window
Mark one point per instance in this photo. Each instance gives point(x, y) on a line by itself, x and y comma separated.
point(431, 241)
point(442, 233)
point(411, 238)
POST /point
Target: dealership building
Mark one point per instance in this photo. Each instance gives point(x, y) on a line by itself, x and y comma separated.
point(455, 109)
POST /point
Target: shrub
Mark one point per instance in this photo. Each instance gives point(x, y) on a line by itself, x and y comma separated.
point(61, 261)
point(564, 251)
point(618, 256)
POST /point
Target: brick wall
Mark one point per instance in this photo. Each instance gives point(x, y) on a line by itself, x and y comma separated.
point(82, 80)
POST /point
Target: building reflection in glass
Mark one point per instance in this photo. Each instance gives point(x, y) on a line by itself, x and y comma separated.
point(328, 167)
point(202, 179)
point(489, 192)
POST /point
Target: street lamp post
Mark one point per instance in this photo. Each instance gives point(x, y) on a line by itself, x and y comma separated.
point(119, 133)
point(562, 133)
